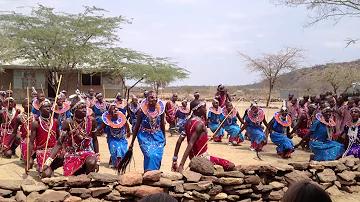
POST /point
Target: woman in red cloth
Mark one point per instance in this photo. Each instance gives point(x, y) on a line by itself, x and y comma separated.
point(170, 109)
point(39, 135)
point(197, 137)
point(76, 135)
point(7, 120)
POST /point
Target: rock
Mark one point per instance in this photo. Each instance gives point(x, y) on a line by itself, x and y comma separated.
point(236, 174)
point(234, 187)
point(300, 165)
point(355, 189)
point(357, 173)
point(296, 176)
point(347, 189)
point(233, 197)
point(53, 196)
point(241, 192)
point(246, 200)
point(231, 181)
point(73, 199)
point(179, 188)
point(267, 168)
point(329, 164)
point(334, 191)
point(82, 192)
point(191, 176)
point(172, 175)
point(283, 167)
point(131, 179)
point(219, 196)
point(326, 185)
point(202, 165)
point(347, 175)
point(254, 179)
point(217, 189)
point(267, 188)
point(258, 187)
point(177, 196)
point(210, 178)
point(20, 196)
point(191, 197)
point(340, 167)
point(253, 195)
point(33, 196)
point(60, 188)
point(13, 185)
point(144, 190)
point(205, 197)
point(247, 168)
point(97, 192)
point(104, 177)
point(275, 195)
point(55, 181)
point(327, 175)
point(78, 181)
point(337, 183)
point(92, 200)
point(153, 175)
point(277, 185)
point(126, 190)
point(200, 186)
point(316, 165)
point(349, 161)
point(163, 182)
point(219, 169)
point(33, 188)
point(7, 200)
point(4, 192)
point(344, 182)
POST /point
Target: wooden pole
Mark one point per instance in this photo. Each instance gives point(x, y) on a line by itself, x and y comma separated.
point(42, 89)
point(28, 127)
point(51, 121)
point(6, 120)
point(104, 92)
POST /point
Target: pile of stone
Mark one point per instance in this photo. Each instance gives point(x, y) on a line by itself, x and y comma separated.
point(203, 182)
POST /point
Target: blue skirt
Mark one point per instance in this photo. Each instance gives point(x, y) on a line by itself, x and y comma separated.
point(181, 125)
point(282, 142)
point(117, 148)
point(326, 151)
point(152, 147)
point(233, 131)
point(214, 126)
point(99, 121)
point(256, 135)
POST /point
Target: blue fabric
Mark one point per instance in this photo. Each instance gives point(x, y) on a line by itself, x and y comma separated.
point(324, 150)
point(67, 115)
point(279, 139)
point(214, 122)
point(151, 143)
point(231, 127)
point(255, 131)
point(117, 143)
point(98, 113)
point(35, 111)
point(181, 120)
point(123, 110)
point(133, 118)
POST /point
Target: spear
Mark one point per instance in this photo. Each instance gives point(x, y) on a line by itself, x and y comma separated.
point(28, 127)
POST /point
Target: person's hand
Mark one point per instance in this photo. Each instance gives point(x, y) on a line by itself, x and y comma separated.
point(5, 147)
point(296, 146)
point(174, 166)
point(180, 169)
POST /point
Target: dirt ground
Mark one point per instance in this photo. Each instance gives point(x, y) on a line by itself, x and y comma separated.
point(11, 169)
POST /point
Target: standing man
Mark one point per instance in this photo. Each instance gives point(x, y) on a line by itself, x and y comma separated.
point(170, 110)
point(91, 97)
point(222, 96)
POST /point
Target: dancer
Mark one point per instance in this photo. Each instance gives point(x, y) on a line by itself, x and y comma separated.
point(351, 134)
point(39, 136)
point(120, 103)
point(22, 121)
point(230, 125)
point(196, 95)
point(62, 110)
point(91, 97)
point(35, 109)
point(289, 101)
point(294, 111)
point(33, 94)
point(321, 138)
point(76, 134)
point(181, 116)
point(133, 110)
point(304, 124)
point(253, 125)
point(222, 96)
point(197, 138)
point(114, 125)
point(170, 110)
point(214, 120)
point(150, 130)
point(7, 120)
point(279, 129)
point(99, 108)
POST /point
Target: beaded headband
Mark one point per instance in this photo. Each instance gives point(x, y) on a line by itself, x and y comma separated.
point(355, 109)
point(45, 102)
point(196, 93)
point(198, 106)
point(117, 95)
point(98, 95)
point(81, 101)
point(9, 98)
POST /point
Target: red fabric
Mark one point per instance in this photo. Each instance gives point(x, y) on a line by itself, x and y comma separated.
point(73, 162)
point(41, 136)
point(222, 99)
point(302, 132)
point(218, 139)
point(79, 140)
point(23, 148)
point(237, 139)
point(7, 130)
point(221, 162)
point(189, 129)
point(40, 156)
point(255, 145)
point(170, 109)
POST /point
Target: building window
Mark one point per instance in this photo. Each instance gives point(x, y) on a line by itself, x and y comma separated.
point(91, 79)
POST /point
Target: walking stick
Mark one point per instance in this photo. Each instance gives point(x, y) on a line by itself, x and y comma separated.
point(28, 127)
point(42, 89)
point(6, 120)
point(104, 92)
point(51, 122)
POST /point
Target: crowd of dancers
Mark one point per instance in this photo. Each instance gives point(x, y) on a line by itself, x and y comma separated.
point(65, 134)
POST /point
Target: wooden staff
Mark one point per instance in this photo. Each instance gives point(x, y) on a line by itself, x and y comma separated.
point(28, 127)
point(104, 92)
point(6, 120)
point(51, 122)
point(42, 89)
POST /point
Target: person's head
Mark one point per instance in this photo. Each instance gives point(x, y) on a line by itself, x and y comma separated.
point(221, 88)
point(290, 96)
point(152, 99)
point(33, 93)
point(61, 99)
point(160, 197)
point(174, 97)
point(8, 93)
point(335, 96)
point(229, 106)
point(99, 97)
point(45, 108)
point(306, 98)
point(64, 92)
point(118, 97)
point(25, 103)
point(328, 93)
point(184, 103)
point(254, 108)
point(40, 97)
point(284, 111)
point(326, 111)
point(198, 107)
point(323, 96)
point(145, 94)
point(91, 92)
point(78, 107)
point(9, 103)
point(196, 95)
point(312, 98)
point(215, 103)
point(351, 103)
point(331, 101)
point(113, 110)
point(134, 99)
point(317, 100)
point(305, 191)
point(311, 108)
point(322, 104)
point(293, 100)
point(302, 103)
point(355, 112)
point(339, 101)
point(356, 94)
point(345, 96)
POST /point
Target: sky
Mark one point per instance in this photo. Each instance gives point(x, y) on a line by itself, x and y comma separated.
point(205, 36)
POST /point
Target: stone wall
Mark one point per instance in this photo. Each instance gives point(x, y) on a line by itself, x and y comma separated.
point(203, 182)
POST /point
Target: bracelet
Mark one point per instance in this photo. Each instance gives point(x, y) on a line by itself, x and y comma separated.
point(174, 163)
point(175, 158)
point(49, 161)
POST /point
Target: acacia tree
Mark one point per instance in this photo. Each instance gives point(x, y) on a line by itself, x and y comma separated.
point(271, 65)
point(57, 42)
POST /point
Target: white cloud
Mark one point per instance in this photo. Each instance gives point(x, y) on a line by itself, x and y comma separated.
point(237, 15)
